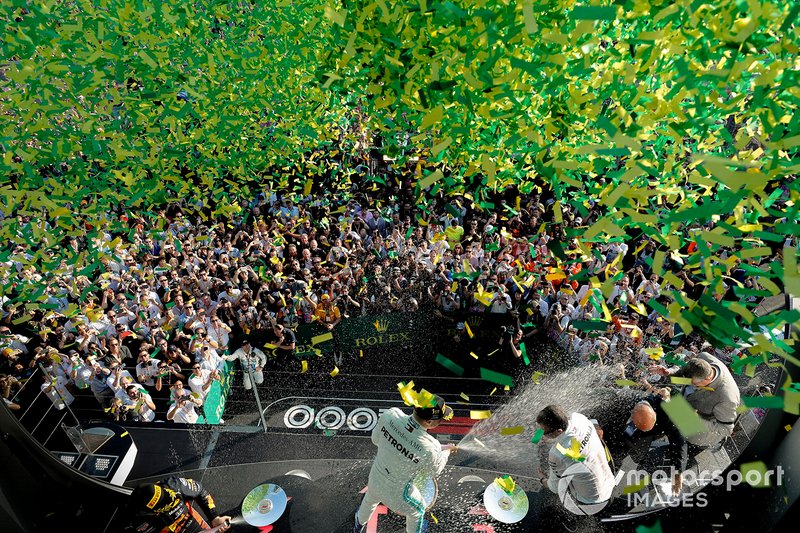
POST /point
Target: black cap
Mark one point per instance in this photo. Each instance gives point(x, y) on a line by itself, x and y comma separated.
point(151, 496)
point(439, 411)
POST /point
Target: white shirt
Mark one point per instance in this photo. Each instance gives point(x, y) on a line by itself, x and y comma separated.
point(249, 361)
point(196, 383)
point(57, 392)
point(184, 414)
point(219, 335)
point(146, 371)
point(595, 482)
point(119, 391)
point(209, 359)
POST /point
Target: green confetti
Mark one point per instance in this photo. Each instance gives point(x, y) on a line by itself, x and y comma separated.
point(760, 479)
point(450, 365)
point(683, 416)
point(594, 13)
point(764, 402)
point(496, 377)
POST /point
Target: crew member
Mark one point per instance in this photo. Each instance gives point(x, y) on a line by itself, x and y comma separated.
point(648, 423)
point(713, 394)
point(252, 361)
point(405, 449)
point(169, 506)
point(573, 441)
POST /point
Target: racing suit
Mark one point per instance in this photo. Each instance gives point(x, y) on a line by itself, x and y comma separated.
point(595, 482)
point(405, 449)
point(174, 511)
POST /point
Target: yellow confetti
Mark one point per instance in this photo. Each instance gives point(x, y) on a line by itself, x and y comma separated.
point(574, 450)
point(335, 371)
point(303, 366)
point(469, 331)
point(322, 338)
point(480, 414)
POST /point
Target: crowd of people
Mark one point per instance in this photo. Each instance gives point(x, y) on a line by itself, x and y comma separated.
point(171, 298)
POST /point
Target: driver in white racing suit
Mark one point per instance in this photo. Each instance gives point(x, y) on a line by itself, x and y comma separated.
point(577, 455)
point(405, 450)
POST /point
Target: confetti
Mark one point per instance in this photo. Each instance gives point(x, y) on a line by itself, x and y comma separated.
point(450, 365)
point(574, 450)
point(760, 479)
point(479, 415)
point(322, 338)
point(496, 377)
point(655, 528)
point(303, 366)
point(764, 402)
point(506, 483)
point(537, 436)
point(335, 371)
point(516, 430)
point(683, 416)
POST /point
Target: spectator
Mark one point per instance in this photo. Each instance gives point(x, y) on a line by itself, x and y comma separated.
point(325, 312)
point(142, 408)
point(147, 369)
point(182, 410)
point(200, 381)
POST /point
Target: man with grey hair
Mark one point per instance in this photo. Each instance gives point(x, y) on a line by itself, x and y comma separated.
point(713, 394)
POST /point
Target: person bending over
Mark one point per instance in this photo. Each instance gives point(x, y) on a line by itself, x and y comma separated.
point(576, 455)
point(170, 506)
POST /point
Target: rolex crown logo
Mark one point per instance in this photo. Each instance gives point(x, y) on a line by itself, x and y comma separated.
point(381, 326)
point(474, 321)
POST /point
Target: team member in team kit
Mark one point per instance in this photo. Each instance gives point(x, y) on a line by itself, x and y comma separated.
point(405, 450)
point(590, 480)
point(252, 360)
point(171, 506)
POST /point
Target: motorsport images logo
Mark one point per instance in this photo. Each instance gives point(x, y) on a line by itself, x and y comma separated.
point(754, 477)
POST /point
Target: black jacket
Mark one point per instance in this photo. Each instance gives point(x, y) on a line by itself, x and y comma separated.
point(178, 509)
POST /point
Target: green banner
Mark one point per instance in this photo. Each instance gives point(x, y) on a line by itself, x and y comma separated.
point(376, 331)
point(214, 406)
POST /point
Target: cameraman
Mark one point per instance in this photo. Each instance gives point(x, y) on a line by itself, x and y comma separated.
point(510, 340)
point(182, 411)
point(142, 406)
